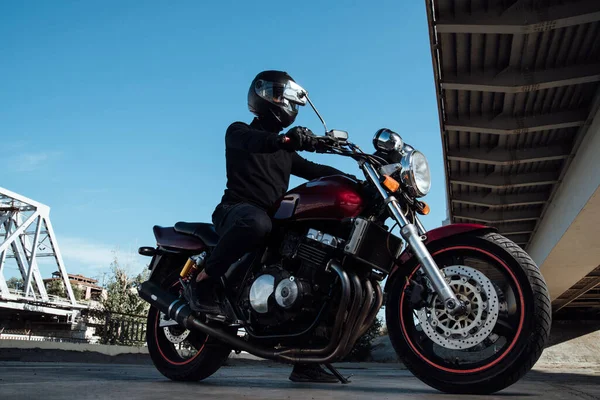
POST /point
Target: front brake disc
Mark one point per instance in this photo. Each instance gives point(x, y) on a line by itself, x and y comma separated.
point(477, 292)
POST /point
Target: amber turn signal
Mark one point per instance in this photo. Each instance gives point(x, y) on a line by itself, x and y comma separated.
point(390, 183)
point(424, 208)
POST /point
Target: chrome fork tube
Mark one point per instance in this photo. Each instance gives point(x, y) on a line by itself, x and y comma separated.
point(411, 234)
point(422, 230)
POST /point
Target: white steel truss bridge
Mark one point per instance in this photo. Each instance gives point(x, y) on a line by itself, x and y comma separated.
point(26, 236)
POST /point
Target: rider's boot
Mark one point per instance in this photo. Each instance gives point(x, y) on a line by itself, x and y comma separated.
point(203, 297)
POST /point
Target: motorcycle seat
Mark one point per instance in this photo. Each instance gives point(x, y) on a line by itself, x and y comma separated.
point(203, 231)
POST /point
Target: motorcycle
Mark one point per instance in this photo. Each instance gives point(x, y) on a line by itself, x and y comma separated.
point(467, 310)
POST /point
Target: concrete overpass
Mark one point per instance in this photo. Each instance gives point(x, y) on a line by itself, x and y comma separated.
point(517, 85)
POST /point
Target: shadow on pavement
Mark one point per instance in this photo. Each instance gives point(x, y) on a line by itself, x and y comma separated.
point(376, 389)
point(570, 378)
point(568, 381)
point(565, 331)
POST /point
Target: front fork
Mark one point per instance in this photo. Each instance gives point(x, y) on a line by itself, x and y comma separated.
point(413, 235)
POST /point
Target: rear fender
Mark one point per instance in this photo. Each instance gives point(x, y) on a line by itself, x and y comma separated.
point(166, 262)
point(172, 251)
point(435, 236)
point(172, 240)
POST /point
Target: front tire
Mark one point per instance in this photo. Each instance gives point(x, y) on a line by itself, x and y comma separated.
point(500, 357)
point(178, 354)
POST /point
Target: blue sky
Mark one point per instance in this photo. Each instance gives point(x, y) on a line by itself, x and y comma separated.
point(113, 113)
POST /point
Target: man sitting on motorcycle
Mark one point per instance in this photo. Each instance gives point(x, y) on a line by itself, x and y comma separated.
point(259, 163)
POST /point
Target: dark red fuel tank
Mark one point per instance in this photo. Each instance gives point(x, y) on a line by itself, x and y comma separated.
point(333, 197)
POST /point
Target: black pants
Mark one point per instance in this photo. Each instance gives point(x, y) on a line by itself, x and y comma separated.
point(242, 228)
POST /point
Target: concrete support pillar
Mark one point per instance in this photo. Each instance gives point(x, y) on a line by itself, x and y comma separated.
point(566, 243)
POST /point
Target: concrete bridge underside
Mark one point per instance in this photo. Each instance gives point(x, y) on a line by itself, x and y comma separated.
point(518, 94)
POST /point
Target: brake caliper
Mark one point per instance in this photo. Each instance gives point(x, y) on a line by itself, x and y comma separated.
point(417, 292)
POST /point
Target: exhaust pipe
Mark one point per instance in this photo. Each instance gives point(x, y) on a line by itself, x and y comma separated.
point(169, 304)
point(178, 310)
point(337, 346)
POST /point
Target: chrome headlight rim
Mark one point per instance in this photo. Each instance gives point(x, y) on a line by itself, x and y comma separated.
point(407, 174)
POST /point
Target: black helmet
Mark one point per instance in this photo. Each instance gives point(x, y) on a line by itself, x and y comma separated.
point(266, 101)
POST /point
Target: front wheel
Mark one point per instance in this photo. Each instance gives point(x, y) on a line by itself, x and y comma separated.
point(178, 353)
point(500, 337)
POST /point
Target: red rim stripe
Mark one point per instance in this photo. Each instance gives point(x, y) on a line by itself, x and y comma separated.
point(506, 352)
point(158, 344)
point(156, 333)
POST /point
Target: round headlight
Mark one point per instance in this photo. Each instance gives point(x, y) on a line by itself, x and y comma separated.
point(387, 141)
point(415, 173)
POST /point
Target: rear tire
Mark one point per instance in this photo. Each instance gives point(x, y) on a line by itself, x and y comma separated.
point(503, 369)
point(210, 357)
point(210, 353)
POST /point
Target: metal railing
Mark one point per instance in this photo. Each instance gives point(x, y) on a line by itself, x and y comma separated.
point(52, 299)
point(122, 329)
point(42, 338)
point(110, 328)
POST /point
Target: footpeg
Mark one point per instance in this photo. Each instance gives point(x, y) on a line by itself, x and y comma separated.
point(216, 318)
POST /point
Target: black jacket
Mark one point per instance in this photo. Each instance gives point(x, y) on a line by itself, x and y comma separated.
point(258, 172)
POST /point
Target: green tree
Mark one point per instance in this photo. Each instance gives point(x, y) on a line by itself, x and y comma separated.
point(121, 309)
point(56, 287)
point(121, 294)
point(78, 292)
point(362, 347)
point(15, 283)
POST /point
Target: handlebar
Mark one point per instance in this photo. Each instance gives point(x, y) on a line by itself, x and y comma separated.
point(347, 149)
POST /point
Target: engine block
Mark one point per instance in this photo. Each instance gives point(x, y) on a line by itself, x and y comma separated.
point(287, 296)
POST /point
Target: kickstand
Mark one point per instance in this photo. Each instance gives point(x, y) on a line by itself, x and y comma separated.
point(337, 374)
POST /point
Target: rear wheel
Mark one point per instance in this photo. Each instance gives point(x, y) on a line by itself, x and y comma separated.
point(501, 336)
point(178, 353)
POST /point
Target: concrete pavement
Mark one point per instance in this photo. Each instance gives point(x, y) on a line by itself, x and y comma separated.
point(49, 381)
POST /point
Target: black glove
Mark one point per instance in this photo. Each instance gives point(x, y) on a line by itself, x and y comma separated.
point(298, 138)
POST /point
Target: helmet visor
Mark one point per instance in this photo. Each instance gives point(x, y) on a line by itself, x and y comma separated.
point(273, 93)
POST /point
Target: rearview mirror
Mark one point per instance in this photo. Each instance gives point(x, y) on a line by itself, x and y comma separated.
point(338, 135)
point(294, 93)
point(387, 141)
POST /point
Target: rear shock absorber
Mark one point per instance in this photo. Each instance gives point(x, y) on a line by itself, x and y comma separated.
point(192, 266)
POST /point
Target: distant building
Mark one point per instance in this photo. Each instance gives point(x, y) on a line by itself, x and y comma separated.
point(89, 286)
